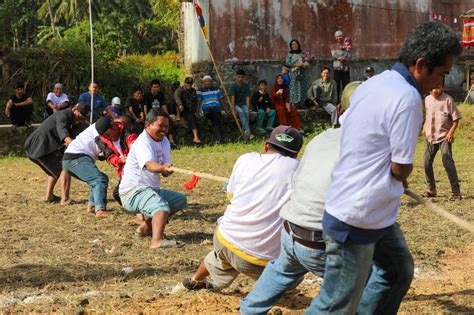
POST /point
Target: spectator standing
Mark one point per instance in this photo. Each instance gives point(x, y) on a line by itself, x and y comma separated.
point(369, 267)
point(323, 93)
point(442, 120)
point(99, 103)
point(342, 54)
point(286, 112)
point(79, 160)
point(155, 98)
point(262, 103)
point(210, 102)
point(186, 105)
point(239, 93)
point(19, 107)
point(140, 187)
point(56, 100)
point(294, 60)
point(46, 145)
point(247, 236)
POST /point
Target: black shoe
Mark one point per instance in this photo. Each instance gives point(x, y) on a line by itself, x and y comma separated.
point(192, 285)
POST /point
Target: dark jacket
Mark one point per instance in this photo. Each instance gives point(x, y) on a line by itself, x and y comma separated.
point(265, 103)
point(110, 152)
point(50, 135)
point(187, 98)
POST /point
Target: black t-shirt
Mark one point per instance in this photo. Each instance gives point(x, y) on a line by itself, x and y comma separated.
point(18, 100)
point(154, 101)
point(137, 106)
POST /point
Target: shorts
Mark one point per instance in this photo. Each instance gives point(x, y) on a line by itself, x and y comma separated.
point(148, 201)
point(51, 163)
point(224, 266)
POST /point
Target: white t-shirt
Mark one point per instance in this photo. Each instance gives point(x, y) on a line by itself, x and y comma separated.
point(311, 181)
point(85, 143)
point(144, 149)
point(381, 126)
point(260, 185)
point(57, 100)
point(118, 146)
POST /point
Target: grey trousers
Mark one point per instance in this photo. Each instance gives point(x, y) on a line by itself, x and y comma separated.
point(448, 163)
point(329, 108)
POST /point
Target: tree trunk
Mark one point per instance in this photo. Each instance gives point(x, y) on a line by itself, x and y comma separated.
point(50, 9)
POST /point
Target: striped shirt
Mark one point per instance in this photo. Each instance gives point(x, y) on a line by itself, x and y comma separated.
point(209, 97)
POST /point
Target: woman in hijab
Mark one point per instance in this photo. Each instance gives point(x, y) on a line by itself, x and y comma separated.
point(294, 60)
point(287, 113)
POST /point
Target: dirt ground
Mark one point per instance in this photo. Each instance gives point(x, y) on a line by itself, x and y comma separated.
point(55, 258)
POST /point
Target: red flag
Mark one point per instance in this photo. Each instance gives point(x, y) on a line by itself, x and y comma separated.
point(198, 9)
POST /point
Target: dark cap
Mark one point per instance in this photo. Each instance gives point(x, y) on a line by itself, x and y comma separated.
point(286, 138)
point(103, 124)
point(369, 69)
point(84, 109)
point(189, 80)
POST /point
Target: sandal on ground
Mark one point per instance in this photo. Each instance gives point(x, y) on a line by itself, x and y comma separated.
point(197, 141)
point(429, 194)
point(455, 196)
point(168, 244)
point(191, 284)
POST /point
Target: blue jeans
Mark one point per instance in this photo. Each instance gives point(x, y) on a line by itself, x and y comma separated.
point(84, 169)
point(285, 272)
point(261, 116)
point(244, 116)
point(389, 264)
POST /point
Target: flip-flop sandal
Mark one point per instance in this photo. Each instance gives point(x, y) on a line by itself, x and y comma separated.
point(169, 244)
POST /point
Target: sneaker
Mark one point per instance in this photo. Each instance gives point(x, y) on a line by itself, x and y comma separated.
point(246, 135)
point(193, 285)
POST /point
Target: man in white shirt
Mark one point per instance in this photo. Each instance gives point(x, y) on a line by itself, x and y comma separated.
point(365, 247)
point(79, 160)
point(302, 244)
point(140, 192)
point(56, 100)
point(248, 234)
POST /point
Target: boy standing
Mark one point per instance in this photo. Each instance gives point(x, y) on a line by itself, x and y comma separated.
point(442, 119)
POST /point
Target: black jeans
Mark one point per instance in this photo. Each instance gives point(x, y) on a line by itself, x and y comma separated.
point(215, 116)
point(342, 78)
point(191, 120)
point(21, 115)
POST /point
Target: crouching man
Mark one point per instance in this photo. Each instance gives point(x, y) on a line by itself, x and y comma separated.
point(248, 234)
point(139, 188)
point(79, 160)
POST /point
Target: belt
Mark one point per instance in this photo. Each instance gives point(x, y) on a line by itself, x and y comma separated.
point(302, 233)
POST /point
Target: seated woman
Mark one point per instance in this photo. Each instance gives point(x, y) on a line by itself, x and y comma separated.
point(286, 112)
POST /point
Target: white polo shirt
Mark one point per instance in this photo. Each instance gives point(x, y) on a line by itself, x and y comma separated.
point(144, 149)
point(381, 126)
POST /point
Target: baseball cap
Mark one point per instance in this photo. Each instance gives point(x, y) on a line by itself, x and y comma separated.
point(189, 80)
point(84, 109)
point(116, 100)
point(369, 69)
point(103, 124)
point(287, 138)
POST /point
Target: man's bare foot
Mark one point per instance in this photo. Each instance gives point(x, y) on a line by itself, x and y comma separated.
point(90, 209)
point(166, 244)
point(67, 202)
point(103, 214)
point(143, 230)
point(196, 140)
point(140, 218)
point(52, 199)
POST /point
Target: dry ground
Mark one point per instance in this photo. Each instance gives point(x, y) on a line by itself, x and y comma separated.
point(55, 258)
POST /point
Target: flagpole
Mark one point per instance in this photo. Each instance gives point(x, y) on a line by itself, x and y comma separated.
point(92, 62)
point(219, 77)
